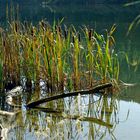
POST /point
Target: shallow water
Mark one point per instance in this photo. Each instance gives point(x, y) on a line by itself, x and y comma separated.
point(123, 113)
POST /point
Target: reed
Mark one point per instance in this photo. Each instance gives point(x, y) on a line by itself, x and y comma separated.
point(60, 56)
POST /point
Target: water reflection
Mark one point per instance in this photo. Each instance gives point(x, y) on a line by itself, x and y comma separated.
point(82, 117)
point(92, 117)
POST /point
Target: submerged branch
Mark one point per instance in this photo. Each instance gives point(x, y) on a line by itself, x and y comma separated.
point(95, 89)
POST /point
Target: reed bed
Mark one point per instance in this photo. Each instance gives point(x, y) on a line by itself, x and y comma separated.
point(63, 57)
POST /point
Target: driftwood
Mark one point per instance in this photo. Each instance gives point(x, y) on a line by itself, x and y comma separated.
point(94, 90)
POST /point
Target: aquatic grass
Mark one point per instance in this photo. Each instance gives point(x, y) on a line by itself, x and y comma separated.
point(61, 56)
point(75, 55)
point(1, 76)
point(10, 58)
point(59, 48)
point(89, 56)
point(106, 56)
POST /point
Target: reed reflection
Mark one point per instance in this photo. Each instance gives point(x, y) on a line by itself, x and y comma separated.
point(82, 117)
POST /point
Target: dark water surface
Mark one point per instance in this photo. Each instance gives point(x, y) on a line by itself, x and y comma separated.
point(123, 113)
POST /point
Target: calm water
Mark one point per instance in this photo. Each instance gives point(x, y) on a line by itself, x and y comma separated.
point(122, 112)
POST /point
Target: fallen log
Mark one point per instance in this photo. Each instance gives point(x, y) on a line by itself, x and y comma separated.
point(94, 90)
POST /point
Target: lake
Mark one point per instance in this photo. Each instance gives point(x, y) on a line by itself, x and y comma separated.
point(106, 118)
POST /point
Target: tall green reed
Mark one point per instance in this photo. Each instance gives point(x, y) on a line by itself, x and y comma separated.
point(61, 56)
